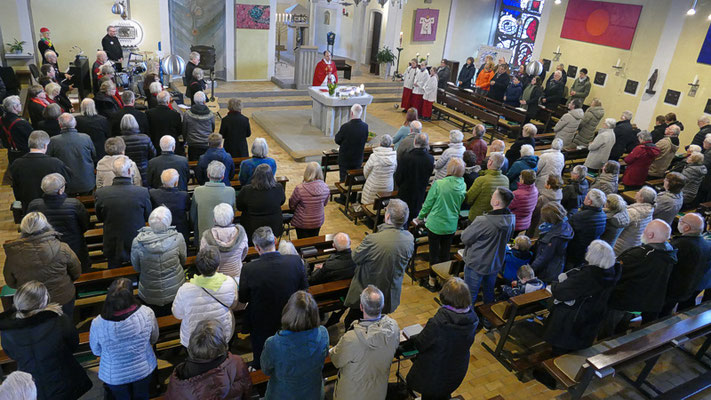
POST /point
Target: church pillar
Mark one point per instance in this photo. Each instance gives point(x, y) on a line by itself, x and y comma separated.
point(359, 36)
point(305, 60)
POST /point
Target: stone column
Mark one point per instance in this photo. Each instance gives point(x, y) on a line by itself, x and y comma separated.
point(359, 36)
point(305, 60)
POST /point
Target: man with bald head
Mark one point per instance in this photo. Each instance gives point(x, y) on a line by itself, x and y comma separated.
point(645, 274)
point(704, 123)
point(338, 266)
point(693, 254)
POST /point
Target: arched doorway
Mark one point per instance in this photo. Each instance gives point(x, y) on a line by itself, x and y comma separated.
point(375, 25)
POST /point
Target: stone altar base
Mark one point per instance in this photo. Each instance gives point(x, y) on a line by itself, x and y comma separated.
point(293, 131)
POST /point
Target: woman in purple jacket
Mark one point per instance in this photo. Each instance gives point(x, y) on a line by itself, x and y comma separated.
point(308, 202)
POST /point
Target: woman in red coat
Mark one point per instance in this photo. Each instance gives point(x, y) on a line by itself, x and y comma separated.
point(525, 200)
point(639, 160)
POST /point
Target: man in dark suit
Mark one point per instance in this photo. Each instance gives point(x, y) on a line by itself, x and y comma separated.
point(28, 171)
point(164, 121)
point(413, 175)
point(625, 136)
point(338, 266)
point(177, 200)
point(266, 285)
point(111, 45)
point(167, 160)
point(124, 209)
point(351, 138)
point(129, 100)
point(555, 88)
point(14, 131)
point(215, 152)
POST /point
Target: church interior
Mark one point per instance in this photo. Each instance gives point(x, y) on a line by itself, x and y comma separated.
point(637, 59)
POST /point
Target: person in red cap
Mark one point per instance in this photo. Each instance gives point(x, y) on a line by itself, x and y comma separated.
point(45, 44)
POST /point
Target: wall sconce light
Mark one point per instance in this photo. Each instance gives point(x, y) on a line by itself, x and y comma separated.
point(618, 67)
point(557, 54)
point(694, 86)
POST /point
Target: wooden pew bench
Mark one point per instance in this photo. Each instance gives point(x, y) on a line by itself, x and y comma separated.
point(575, 371)
point(376, 210)
point(350, 188)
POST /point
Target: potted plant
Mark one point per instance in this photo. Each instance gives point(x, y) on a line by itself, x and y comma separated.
point(385, 58)
point(16, 48)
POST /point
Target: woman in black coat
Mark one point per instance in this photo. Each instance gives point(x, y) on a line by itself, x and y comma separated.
point(534, 92)
point(260, 202)
point(106, 105)
point(235, 129)
point(444, 344)
point(50, 123)
point(580, 300)
point(38, 102)
point(41, 339)
point(467, 74)
point(96, 126)
point(139, 147)
point(499, 83)
point(527, 137)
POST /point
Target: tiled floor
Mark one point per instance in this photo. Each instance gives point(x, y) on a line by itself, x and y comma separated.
point(486, 378)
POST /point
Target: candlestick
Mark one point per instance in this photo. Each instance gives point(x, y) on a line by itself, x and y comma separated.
point(400, 39)
point(696, 79)
point(557, 50)
point(618, 63)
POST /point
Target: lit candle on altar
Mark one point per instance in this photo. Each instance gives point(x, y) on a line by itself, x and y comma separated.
point(400, 39)
point(362, 88)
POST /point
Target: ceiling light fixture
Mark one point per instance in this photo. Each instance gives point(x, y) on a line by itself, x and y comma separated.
point(692, 10)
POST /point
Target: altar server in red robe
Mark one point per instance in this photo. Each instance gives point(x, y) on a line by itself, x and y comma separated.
point(324, 68)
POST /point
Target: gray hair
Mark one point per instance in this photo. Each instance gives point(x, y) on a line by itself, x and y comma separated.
point(707, 138)
point(155, 87)
point(207, 341)
point(88, 107)
point(114, 146)
point(313, 172)
point(53, 183)
point(223, 214)
point(101, 54)
point(52, 89)
point(415, 126)
point(287, 247)
point(372, 301)
point(644, 136)
point(615, 203)
point(356, 110)
point(386, 141)
point(264, 237)
point(160, 219)
point(198, 73)
point(529, 130)
point(422, 141)
point(194, 55)
point(497, 145)
point(167, 143)
point(398, 212)
point(648, 195)
point(580, 171)
point(479, 130)
point(52, 111)
point(18, 385)
point(169, 177)
point(67, 121)
point(122, 166)
point(260, 149)
point(38, 140)
point(704, 119)
point(129, 123)
point(106, 69)
point(234, 105)
point(600, 254)
point(627, 115)
point(199, 97)
point(162, 97)
point(597, 197)
point(106, 85)
point(128, 97)
point(675, 129)
point(11, 103)
point(341, 241)
point(694, 148)
point(497, 160)
point(215, 170)
point(34, 222)
point(526, 150)
point(610, 123)
point(557, 144)
point(456, 136)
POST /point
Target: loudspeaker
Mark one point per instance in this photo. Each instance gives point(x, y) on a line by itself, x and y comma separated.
point(207, 56)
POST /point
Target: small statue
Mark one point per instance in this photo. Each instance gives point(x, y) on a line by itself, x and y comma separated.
point(652, 81)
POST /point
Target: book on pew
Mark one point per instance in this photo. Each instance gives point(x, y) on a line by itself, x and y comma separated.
point(412, 330)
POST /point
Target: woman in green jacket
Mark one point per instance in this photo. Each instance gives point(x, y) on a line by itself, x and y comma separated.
point(441, 215)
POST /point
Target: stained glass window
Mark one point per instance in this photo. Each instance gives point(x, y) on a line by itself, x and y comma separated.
point(517, 27)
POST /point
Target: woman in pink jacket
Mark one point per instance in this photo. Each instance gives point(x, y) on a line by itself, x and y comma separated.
point(308, 202)
point(524, 202)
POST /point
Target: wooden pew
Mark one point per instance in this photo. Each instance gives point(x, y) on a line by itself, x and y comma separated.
point(377, 210)
point(455, 108)
point(576, 371)
point(353, 185)
point(329, 159)
point(509, 117)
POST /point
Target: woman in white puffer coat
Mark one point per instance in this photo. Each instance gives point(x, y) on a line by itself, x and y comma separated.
point(210, 295)
point(455, 150)
point(551, 162)
point(379, 170)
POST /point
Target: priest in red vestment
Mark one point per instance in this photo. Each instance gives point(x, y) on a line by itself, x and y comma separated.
point(324, 68)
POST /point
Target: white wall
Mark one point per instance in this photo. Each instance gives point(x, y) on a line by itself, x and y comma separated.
point(469, 27)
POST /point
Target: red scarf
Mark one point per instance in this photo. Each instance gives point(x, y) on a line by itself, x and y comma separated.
point(118, 99)
point(39, 101)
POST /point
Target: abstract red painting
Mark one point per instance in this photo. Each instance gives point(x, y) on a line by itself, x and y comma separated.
point(608, 24)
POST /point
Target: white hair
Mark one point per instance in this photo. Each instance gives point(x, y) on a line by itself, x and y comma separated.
point(627, 115)
point(530, 130)
point(704, 119)
point(600, 254)
point(557, 144)
point(341, 241)
point(129, 123)
point(199, 97)
point(194, 55)
point(497, 160)
point(167, 143)
point(160, 219)
point(163, 97)
point(356, 110)
point(526, 150)
point(286, 247)
point(67, 121)
point(122, 166)
point(215, 170)
point(52, 89)
point(260, 149)
point(597, 197)
point(34, 222)
point(12, 103)
point(415, 126)
point(18, 385)
point(610, 123)
point(223, 214)
point(155, 87)
point(169, 177)
point(456, 136)
point(88, 107)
